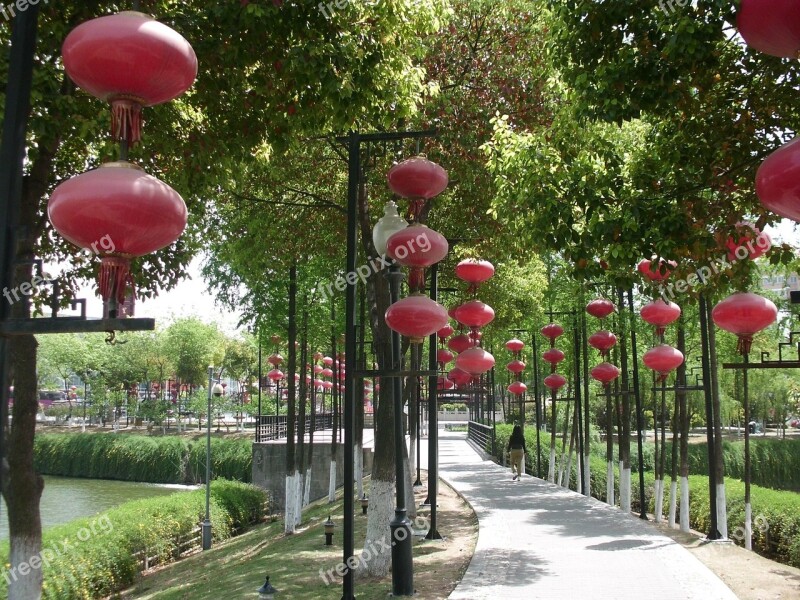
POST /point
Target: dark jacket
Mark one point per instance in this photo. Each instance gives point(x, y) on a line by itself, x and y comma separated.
point(517, 440)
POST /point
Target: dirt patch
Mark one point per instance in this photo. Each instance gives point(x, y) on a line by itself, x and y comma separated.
point(749, 575)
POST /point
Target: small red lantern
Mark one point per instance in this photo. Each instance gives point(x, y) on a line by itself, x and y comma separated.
point(600, 308)
point(778, 180)
point(460, 342)
point(327, 372)
point(474, 314)
point(516, 366)
point(328, 385)
point(603, 341)
point(443, 383)
point(318, 369)
point(475, 361)
point(663, 359)
point(444, 356)
point(555, 381)
point(552, 330)
point(119, 212)
point(416, 317)
point(275, 375)
point(517, 387)
point(749, 242)
point(445, 332)
point(327, 361)
point(515, 345)
point(656, 272)
point(275, 360)
point(417, 247)
point(130, 60)
point(553, 356)
point(605, 373)
point(474, 271)
point(744, 314)
point(317, 356)
point(771, 26)
point(459, 376)
point(660, 314)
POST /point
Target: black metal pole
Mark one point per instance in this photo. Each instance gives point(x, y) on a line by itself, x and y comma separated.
point(419, 428)
point(639, 417)
point(587, 480)
point(402, 560)
point(260, 375)
point(713, 533)
point(348, 537)
point(433, 419)
point(538, 400)
point(577, 342)
point(206, 527)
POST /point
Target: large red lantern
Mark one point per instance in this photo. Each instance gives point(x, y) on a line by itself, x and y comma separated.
point(416, 317)
point(459, 376)
point(475, 361)
point(771, 26)
point(417, 177)
point(474, 271)
point(118, 212)
point(444, 356)
point(460, 342)
point(417, 247)
point(744, 314)
point(600, 308)
point(659, 314)
point(552, 330)
point(516, 366)
point(327, 361)
point(276, 375)
point(553, 356)
point(517, 387)
point(603, 341)
point(515, 345)
point(474, 314)
point(555, 381)
point(656, 271)
point(662, 359)
point(445, 332)
point(605, 373)
point(778, 180)
point(129, 60)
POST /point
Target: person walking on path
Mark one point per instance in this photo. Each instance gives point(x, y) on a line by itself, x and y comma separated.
point(516, 446)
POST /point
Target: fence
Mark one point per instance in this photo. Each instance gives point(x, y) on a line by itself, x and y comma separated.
point(482, 435)
point(271, 427)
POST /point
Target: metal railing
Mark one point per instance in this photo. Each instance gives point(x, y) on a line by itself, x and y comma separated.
point(482, 435)
point(271, 427)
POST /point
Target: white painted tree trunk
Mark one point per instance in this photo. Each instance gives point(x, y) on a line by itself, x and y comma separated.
point(722, 511)
point(748, 526)
point(659, 493)
point(610, 483)
point(358, 470)
point(332, 483)
point(411, 502)
point(673, 501)
point(561, 466)
point(376, 557)
point(624, 488)
point(307, 490)
point(685, 504)
point(412, 460)
point(28, 586)
point(290, 507)
point(551, 468)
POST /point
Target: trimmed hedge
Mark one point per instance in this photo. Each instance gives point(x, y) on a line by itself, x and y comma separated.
point(141, 458)
point(105, 551)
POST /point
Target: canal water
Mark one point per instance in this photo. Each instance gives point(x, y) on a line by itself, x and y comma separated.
point(68, 498)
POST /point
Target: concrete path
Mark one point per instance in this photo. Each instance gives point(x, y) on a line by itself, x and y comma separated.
point(538, 540)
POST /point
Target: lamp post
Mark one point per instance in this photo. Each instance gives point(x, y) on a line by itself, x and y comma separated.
point(216, 390)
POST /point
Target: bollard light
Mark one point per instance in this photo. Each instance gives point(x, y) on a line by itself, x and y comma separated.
point(364, 504)
point(266, 591)
point(329, 527)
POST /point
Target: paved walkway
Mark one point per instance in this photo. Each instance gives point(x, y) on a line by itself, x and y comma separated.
point(538, 540)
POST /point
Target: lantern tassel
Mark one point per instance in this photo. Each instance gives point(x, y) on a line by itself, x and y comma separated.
point(126, 120)
point(114, 279)
point(743, 346)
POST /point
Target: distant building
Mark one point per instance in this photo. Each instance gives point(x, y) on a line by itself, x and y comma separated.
point(781, 284)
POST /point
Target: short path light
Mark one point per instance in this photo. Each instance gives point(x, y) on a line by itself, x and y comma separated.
point(266, 591)
point(329, 527)
point(364, 504)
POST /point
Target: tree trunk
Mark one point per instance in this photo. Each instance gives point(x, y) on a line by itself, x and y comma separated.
point(292, 474)
point(719, 462)
point(684, 430)
point(625, 419)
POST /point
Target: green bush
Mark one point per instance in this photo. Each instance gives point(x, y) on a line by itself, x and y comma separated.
point(141, 458)
point(105, 553)
point(451, 407)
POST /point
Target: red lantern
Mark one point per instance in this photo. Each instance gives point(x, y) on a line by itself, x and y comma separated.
point(130, 60)
point(327, 361)
point(474, 314)
point(600, 308)
point(317, 356)
point(443, 383)
point(771, 26)
point(445, 332)
point(118, 211)
point(275, 360)
point(517, 387)
point(515, 345)
point(460, 343)
point(516, 366)
point(417, 247)
point(276, 339)
point(459, 376)
point(555, 381)
point(552, 330)
point(603, 341)
point(605, 373)
point(663, 359)
point(656, 272)
point(443, 356)
point(744, 314)
point(417, 178)
point(475, 361)
point(660, 314)
point(778, 180)
point(275, 375)
point(749, 242)
point(318, 369)
point(327, 372)
point(328, 385)
point(416, 317)
point(553, 356)
point(474, 272)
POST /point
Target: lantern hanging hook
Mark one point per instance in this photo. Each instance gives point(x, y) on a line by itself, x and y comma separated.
point(111, 339)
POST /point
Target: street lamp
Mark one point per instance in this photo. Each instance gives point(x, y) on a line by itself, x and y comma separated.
point(216, 390)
